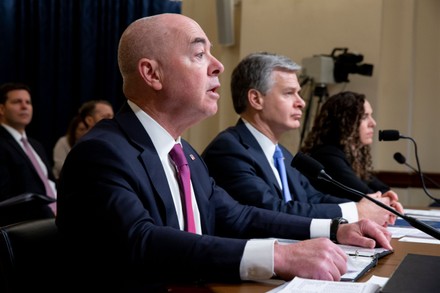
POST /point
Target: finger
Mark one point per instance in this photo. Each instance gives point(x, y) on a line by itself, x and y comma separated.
point(341, 263)
point(391, 195)
point(336, 274)
point(366, 242)
point(382, 236)
point(392, 219)
point(386, 200)
point(398, 207)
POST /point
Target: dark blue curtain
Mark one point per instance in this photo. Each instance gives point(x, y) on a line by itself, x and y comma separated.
point(66, 51)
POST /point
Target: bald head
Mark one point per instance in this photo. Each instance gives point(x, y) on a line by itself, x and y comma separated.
point(149, 37)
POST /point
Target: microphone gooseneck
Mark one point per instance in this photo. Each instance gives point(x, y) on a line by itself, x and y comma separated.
point(311, 168)
point(390, 135)
point(402, 160)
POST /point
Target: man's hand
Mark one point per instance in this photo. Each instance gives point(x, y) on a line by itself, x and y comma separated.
point(365, 233)
point(369, 210)
point(394, 203)
point(318, 259)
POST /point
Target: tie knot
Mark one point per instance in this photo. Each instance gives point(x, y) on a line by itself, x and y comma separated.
point(178, 156)
point(278, 153)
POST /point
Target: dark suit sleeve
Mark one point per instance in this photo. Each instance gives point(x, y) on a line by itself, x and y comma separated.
point(337, 166)
point(251, 181)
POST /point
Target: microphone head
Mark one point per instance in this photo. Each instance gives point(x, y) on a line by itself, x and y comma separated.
point(389, 135)
point(399, 158)
point(308, 166)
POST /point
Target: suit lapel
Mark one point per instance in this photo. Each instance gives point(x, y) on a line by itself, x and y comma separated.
point(254, 149)
point(150, 161)
point(9, 139)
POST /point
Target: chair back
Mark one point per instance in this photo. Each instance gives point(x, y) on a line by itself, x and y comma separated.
point(28, 256)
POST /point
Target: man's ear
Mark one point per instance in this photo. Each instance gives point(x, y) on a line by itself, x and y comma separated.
point(90, 121)
point(150, 72)
point(2, 109)
point(255, 99)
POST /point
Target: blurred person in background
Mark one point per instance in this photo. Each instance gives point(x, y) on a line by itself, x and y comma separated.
point(91, 112)
point(75, 130)
point(24, 164)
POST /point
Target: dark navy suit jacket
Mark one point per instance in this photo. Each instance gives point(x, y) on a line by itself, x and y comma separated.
point(115, 211)
point(18, 176)
point(238, 164)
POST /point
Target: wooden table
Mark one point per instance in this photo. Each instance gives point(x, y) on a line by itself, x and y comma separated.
point(385, 267)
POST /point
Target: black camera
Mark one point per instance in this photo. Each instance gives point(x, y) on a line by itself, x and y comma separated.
point(346, 63)
point(335, 68)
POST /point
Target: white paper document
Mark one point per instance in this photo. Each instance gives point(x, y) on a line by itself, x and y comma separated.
point(420, 240)
point(398, 232)
point(433, 215)
point(301, 285)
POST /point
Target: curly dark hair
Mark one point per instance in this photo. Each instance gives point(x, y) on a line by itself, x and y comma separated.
point(337, 123)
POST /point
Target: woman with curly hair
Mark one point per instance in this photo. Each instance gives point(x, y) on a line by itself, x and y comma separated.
point(64, 144)
point(340, 140)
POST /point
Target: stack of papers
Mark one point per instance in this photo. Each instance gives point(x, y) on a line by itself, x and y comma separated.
point(301, 285)
point(407, 233)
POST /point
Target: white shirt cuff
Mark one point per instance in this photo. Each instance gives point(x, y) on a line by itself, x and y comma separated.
point(257, 262)
point(349, 211)
point(320, 228)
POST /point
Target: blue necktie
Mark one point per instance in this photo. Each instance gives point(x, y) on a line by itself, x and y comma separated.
point(279, 164)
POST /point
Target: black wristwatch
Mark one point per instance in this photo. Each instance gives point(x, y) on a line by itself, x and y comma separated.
point(334, 227)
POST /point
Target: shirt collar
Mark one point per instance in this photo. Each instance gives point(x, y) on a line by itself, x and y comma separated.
point(162, 140)
point(265, 143)
point(17, 135)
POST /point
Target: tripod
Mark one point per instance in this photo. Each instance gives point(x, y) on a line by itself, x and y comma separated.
point(316, 90)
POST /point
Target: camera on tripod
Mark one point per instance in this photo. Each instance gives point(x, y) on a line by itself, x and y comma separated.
point(335, 68)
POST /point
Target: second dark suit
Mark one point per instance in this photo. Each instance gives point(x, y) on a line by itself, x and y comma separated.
point(238, 164)
point(17, 176)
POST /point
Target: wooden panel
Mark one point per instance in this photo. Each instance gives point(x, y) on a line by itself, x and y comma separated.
point(409, 180)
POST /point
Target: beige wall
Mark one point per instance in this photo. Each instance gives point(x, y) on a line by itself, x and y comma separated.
point(399, 37)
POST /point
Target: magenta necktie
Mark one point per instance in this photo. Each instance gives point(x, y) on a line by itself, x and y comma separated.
point(49, 190)
point(179, 159)
point(279, 164)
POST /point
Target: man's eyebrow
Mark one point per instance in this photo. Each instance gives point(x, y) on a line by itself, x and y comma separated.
point(198, 40)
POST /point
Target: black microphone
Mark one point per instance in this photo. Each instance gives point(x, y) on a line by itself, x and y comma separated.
point(389, 135)
point(402, 160)
point(311, 168)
